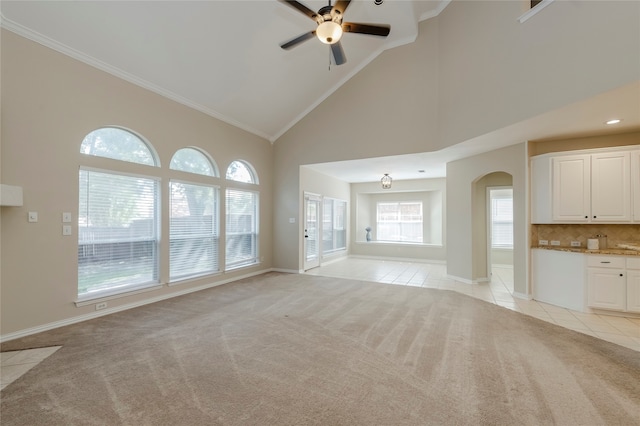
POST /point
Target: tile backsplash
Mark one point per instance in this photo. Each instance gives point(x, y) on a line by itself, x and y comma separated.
point(566, 233)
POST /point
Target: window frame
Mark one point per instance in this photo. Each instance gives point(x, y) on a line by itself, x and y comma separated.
point(255, 242)
point(127, 288)
point(399, 221)
point(215, 229)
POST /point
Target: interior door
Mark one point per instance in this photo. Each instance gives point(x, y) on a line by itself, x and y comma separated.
point(312, 231)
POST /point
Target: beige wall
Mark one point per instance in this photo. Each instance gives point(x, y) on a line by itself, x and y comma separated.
point(325, 186)
point(495, 71)
point(473, 69)
point(49, 103)
point(431, 192)
point(480, 220)
point(573, 144)
point(466, 236)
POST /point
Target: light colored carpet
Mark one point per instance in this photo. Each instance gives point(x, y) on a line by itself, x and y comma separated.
point(283, 349)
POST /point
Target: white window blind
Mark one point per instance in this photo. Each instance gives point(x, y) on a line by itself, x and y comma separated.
point(334, 233)
point(241, 228)
point(117, 232)
point(399, 222)
point(501, 218)
point(193, 230)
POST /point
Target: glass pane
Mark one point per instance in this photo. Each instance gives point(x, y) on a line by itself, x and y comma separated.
point(241, 228)
point(193, 230)
point(240, 172)
point(192, 161)
point(117, 231)
point(118, 144)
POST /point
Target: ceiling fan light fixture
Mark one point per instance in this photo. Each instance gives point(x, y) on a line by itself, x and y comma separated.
point(329, 32)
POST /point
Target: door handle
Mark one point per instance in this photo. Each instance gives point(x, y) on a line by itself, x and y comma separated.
point(305, 234)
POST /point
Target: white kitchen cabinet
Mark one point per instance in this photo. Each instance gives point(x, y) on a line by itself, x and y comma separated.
point(557, 278)
point(607, 282)
point(633, 284)
point(589, 186)
point(611, 187)
point(541, 190)
point(635, 184)
point(571, 200)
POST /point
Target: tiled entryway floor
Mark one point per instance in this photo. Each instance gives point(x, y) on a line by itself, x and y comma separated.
point(14, 364)
point(624, 331)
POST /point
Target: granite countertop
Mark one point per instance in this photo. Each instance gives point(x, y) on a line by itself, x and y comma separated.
point(609, 251)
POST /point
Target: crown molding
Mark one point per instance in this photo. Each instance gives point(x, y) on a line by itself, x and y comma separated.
point(34, 36)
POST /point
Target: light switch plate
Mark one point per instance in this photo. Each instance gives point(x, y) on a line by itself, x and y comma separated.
point(66, 217)
point(66, 229)
point(33, 216)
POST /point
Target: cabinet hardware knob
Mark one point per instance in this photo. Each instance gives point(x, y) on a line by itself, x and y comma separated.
point(586, 217)
point(621, 275)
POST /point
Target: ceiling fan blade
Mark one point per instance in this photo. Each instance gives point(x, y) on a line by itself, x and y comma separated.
point(301, 8)
point(341, 6)
point(371, 29)
point(338, 53)
point(294, 42)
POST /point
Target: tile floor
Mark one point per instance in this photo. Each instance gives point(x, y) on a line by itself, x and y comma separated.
point(621, 330)
point(15, 363)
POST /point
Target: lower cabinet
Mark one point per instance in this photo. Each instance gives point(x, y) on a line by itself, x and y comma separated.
point(633, 285)
point(613, 283)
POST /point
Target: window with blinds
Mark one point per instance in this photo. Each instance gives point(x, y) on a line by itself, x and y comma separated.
point(334, 232)
point(241, 228)
point(118, 217)
point(193, 219)
point(501, 201)
point(117, 232)
point(399, 221)
point(193, 230)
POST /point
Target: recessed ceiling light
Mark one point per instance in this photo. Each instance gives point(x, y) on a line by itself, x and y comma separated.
point(614, 121)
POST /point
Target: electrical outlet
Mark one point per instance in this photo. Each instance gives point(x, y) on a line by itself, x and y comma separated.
point(555, 242)
point(101, 306)
point(575, 244)
point(543, 242)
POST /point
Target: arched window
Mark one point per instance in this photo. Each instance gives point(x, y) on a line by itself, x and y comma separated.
point(118, 215)
point(193, 228)
point(192, 160)
point(118, 144)
point(241, 171)
point(243, 216)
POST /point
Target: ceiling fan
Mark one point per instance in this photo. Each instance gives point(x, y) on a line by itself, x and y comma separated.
point(330, 27)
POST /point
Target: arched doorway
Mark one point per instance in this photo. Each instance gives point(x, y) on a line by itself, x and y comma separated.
point(492, 228)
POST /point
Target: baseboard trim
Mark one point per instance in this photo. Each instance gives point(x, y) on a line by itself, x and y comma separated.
point(460, 279)
point(285, 271)
point(398, 259)
point(522, 296)
point(108, 311)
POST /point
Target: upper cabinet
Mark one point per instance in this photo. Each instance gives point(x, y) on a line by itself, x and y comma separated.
point(571, 188)
point(587, 187)
point(611, 187)
point(635, 184)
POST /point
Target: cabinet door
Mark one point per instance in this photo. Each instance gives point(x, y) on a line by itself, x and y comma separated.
point(611, 187)
point(635, 184)
point(571, 188)
point(606, 289)
point(541, 190)
point(633, 291)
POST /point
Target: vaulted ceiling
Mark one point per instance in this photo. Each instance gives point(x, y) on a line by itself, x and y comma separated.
point(224, 59)
point(220, 57)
